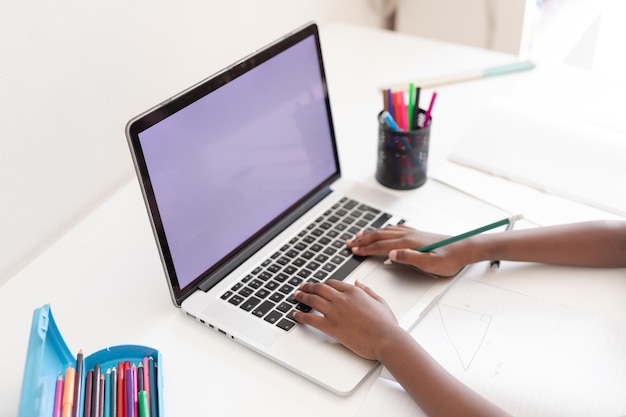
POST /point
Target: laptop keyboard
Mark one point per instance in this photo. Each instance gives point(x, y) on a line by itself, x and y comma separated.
point(315, 254)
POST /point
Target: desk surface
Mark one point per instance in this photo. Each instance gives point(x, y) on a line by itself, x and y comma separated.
point(105, 284)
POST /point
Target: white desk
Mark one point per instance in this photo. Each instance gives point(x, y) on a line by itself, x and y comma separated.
point(104, 280)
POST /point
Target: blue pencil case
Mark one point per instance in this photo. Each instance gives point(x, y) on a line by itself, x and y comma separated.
point(48, 357)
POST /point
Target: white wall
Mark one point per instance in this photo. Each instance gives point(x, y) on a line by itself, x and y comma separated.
point(74, 72)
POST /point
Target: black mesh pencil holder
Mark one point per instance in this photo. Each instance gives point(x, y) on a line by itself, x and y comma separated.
point(402, 156)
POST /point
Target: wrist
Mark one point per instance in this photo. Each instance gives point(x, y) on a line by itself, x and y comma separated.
point(483, 248)
point(390, 345)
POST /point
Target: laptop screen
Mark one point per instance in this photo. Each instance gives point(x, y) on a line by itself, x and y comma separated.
point(235, 158)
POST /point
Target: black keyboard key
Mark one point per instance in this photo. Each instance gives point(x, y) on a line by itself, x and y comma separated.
point(290, 270)
point(350, 205)
point(321, 258)
point(337, 259)
point(354, 230)
point(330, 251)
point(265, 275)
point(271, 285)
point(263, 308)
point(286, 289)
point(338, 244)
point(273, 316)
point(321, 275)
point(250, 303)
point(304, 273)
point(255, 283)
point(246, 291)
point(235, 300)
point(312, 265)
point(303, 307)
point(284, 307)
point(276, 297)
point(381, 220)
point(285, 324)
point(363, 207)
point(262, 293)
point(295, 281)
point(317, 247)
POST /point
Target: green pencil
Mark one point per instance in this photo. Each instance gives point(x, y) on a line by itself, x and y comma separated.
point(465, 235)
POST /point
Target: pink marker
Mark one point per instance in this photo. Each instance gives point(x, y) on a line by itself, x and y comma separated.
point(430, 109)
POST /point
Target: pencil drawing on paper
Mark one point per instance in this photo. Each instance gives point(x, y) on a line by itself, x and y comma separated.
point(466, 330)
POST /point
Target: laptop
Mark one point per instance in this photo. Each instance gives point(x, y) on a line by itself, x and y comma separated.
point(241, 179)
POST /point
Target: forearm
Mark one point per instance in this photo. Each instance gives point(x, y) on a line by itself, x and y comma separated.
point(597, 244)
point(436, 391)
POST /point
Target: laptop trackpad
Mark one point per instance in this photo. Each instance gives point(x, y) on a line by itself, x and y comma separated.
point(400, 286)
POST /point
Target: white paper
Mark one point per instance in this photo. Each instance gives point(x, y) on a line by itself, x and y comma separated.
point(566, 156)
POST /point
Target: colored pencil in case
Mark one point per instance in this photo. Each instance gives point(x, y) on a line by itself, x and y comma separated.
point(58, 397)
point(113, 394)
point(95, 392)
point(152, 371)
point(140, 375)
point(144, 405)
point(88, 393)
point(106, 405)
point(78, 384)
point(135, 391)
point(121, 391)
point(101, 393)
point(146, 377)
point(130, 398)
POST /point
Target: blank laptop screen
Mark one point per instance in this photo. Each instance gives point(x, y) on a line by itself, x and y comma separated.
point(225, 166)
